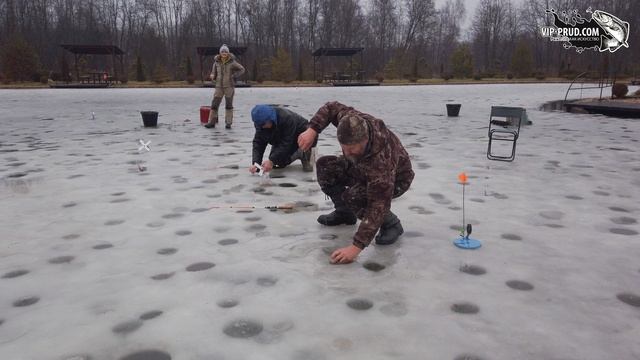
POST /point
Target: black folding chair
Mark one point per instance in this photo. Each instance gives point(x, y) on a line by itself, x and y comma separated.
point(504, 125)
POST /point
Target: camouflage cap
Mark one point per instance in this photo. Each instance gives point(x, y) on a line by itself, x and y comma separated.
point(352, 130)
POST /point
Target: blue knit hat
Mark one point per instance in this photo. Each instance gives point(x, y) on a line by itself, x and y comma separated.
point(262, 114)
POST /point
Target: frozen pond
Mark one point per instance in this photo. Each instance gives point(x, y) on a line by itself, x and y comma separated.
point(99, 260)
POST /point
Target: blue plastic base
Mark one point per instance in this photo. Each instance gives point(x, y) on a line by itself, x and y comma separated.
point(467, 243)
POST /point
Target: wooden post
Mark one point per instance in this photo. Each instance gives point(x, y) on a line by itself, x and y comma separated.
point(75, 57)
point(201, 70)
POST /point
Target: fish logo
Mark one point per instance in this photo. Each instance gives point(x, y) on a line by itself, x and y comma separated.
point(616, 29)
point(603, 32)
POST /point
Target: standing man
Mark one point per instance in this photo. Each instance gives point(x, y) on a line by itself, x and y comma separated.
point(374, 169)
point(280, 128)
point(225, 70)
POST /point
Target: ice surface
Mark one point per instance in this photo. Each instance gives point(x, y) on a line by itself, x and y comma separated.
point(101, 260)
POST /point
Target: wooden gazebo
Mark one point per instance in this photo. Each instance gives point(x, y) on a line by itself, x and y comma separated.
point(94, 79)
point(340, 78)
point(207, 51)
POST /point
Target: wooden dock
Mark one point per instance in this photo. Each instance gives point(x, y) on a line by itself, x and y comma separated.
point(616, 108)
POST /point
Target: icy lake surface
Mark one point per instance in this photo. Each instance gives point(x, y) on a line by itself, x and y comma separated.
point(100, 260)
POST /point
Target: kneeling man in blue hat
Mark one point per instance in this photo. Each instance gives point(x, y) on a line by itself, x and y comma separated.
point(278, 127)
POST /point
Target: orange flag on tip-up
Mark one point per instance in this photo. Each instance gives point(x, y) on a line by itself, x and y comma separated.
point(462, 177)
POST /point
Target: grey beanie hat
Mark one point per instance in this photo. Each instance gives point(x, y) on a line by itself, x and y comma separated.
point(224, 48)
point(352, 130)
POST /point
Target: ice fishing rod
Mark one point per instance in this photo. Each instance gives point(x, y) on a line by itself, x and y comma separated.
point(269, 207)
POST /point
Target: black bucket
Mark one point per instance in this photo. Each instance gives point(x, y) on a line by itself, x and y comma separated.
point(453, 109)
point(149, 118)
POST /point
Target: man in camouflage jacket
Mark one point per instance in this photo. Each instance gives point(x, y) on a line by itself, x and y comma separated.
point(374, 169)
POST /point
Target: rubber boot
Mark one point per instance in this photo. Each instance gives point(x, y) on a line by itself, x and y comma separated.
point(228, 118)
point(306, 157)
point(341, 215)
point(390, 230)
point(213, 119)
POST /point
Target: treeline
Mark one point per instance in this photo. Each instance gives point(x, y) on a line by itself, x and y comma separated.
point(402, 39)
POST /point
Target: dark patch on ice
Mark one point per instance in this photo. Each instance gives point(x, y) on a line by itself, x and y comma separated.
point(622, 231)
point(74, 176)
point(360, 304)
point(114, 222)
point(221, 229)
point(200, 266)
point(554, 226)
point(243, 328)
point(183, 232)
point(61, 259)
point(15, 274)
point(473, 269)
point(413, 234)
point(154, 189)
point(266, 193)
point(244, 211)
point(103, 246)
point(465, 308)
point(258, 190)
point(511, 237)
point(601, 193)
point(172, 216)
point(253, 218)
point(16, 175)
point(468, 357)
point(624, 220)
point(167, 251)
point(226, 176)
point(423, 166)
point(26, 301)
point(164, 276)
point(16, 164)
point(199, 210)
point(227, 303)
point(277, 176)
point(180, 209)
point(519, 285)
point(155, 224)
point(499, 196)
point(395, 309)
point(618, 209)
point(420, 210)
point(127, 327)
point(574, 197)
point(225, 242)
point(148, 355)
point(69, 204)
point(255, 228)
point(120, 200)
point(477, 200)
point(629, 298)
point(287, 185)
point(150, 315)
point(266, 281)
point(439, 198)
point(373, 266)
point(328, 236)
point(210, 181)
point(118, 193)
point(70, 236)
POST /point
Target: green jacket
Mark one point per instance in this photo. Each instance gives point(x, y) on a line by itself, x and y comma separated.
point(224, 74)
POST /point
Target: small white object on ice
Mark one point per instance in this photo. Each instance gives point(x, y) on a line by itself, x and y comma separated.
point(144, 145)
